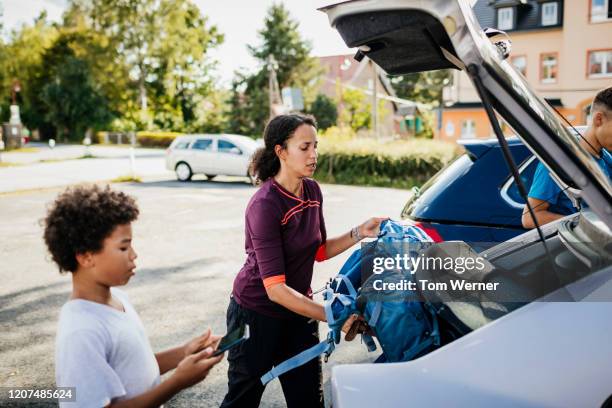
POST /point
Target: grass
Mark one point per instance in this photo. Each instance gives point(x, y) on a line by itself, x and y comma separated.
point(127, 179)
point(24, 150)
point(5, 164)
point(85, 156)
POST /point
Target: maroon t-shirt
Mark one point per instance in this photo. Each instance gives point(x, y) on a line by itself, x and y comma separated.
point(283, 234)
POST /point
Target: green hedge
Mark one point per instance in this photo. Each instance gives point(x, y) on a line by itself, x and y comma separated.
point(156, 139)
point(144, 138)
point(400, 164)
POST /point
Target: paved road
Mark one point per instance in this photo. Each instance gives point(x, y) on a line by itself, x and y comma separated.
point(190, 244)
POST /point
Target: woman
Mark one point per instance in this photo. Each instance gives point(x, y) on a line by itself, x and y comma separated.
point(285, 234)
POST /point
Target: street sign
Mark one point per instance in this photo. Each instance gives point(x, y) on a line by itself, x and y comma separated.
point(292, 99)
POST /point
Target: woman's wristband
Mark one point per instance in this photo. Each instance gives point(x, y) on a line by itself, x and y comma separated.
point(355, 234)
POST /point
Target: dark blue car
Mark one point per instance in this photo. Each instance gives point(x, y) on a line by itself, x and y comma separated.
point(474, 198)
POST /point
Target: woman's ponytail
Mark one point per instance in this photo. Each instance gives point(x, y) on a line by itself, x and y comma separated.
point(264, 164)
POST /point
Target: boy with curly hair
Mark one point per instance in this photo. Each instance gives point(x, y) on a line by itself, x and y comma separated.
point(101, 345)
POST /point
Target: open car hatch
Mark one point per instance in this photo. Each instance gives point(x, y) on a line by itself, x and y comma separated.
point(404, 36)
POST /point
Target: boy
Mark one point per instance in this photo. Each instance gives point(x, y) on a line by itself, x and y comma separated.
point(548, 201)
point(101, 346)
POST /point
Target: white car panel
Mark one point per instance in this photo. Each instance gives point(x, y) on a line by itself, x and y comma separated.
point(540, 355)
point(212, 161)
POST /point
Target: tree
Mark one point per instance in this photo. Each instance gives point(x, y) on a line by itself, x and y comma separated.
point(423, 87)
point(355, 109)
point(325, 111)
point(164, 46)
point(24, 63)
point(279, 37)
point(72, 100)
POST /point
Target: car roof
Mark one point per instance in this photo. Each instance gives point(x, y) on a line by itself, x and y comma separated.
point(512, 140)
point(238, 139)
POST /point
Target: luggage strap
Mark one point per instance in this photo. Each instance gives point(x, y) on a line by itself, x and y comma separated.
point(305, 356)
point(333, 337)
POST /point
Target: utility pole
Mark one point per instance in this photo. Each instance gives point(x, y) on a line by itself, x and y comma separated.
point(274, 96)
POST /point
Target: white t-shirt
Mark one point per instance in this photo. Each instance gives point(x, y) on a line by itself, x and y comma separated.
point(103, 352)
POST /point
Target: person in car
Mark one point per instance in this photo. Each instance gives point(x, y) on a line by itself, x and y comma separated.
point(548, 201)
point(285, 234)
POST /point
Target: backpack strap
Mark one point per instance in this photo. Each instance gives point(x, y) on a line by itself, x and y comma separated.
point(369, 342)
point(305, 356)
point(375, 314)
point(349, 286)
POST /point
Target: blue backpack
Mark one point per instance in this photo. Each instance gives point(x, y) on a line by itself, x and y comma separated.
point(405, 326)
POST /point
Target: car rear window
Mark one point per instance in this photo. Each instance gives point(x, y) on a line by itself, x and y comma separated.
point(202, 144)
point(182, 145)
point(443, 178)
point(527, 176)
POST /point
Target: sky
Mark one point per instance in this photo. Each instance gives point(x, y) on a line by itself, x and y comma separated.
point(239, 20)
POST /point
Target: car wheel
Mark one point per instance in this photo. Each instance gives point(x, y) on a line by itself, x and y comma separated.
point(183, 171)
point(210, 176)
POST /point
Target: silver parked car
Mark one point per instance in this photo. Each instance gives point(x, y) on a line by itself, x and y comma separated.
point(552, 346)
point(211, 155)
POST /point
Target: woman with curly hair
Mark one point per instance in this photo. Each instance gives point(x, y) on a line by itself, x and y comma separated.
point(285, 234)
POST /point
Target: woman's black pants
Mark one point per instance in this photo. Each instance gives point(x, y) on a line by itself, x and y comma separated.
point(272, 341)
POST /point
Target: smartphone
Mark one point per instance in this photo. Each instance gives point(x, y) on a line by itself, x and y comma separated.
point(232, 339)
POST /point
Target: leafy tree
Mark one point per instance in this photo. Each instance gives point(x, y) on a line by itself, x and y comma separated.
point(355, 110)
point(424, 87)
point(163, 44)
point(72, 100)
point(324, 109)
point(26, 47)
point(279, 37)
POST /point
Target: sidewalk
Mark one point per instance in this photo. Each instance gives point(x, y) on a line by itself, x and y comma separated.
point(67, 152)
point(65, 165)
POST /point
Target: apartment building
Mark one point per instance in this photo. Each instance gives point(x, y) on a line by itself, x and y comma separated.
point(563, 48)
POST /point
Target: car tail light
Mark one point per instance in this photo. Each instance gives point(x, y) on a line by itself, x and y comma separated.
point(429, 230)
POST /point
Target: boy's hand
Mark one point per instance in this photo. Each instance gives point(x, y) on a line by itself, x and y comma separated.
point(201, 342)
point(194, 368)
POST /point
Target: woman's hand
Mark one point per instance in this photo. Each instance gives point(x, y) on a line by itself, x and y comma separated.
point(371, 227)
point(354, 325)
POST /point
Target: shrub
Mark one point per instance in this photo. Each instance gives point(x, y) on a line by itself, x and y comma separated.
point(156, 139)
point(391, 163)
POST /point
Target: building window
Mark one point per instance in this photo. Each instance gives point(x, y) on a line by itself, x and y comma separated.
point(520, 63)
point(468, 129)
point(600, 63)
point(505, 18)
point(550, 14)
point(601, 10)
point(548, 68)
